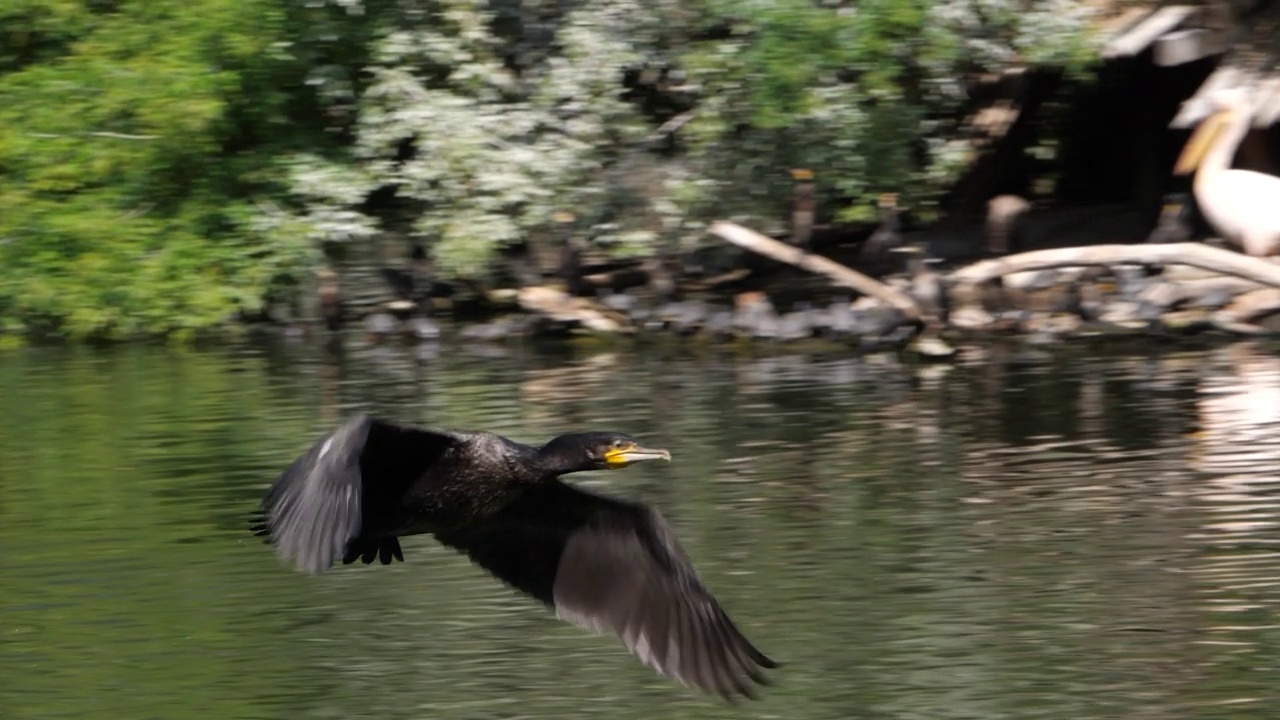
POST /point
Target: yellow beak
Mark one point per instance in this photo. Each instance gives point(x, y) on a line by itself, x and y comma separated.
point(624, 456)
point(1201, 140)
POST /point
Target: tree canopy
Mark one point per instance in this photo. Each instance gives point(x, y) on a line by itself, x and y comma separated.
point(166, 164)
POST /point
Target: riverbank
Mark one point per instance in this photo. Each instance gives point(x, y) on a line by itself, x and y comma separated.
point(918, 304)
point(786, 307)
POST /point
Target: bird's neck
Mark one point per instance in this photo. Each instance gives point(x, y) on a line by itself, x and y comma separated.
point(546, 463)
point(524, 463)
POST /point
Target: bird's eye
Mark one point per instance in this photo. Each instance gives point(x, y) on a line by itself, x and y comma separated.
point(616, 443)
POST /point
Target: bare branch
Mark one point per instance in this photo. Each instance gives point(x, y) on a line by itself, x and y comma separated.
point(101, 134)
point(839, 274)
point(1194, 254)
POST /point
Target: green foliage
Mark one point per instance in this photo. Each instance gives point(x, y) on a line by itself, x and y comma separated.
point(132, 136)
point(484, 153)
point(164, 164)
point(869, 96)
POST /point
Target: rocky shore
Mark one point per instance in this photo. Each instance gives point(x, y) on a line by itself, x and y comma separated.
point(1037, 306)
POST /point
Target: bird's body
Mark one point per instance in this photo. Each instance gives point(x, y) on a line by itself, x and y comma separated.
point(804, 204)
point(886, 237)
point(1172, 226)
point(329, 294)
point(604, 564)
point(1243, 206)
point(926, 286)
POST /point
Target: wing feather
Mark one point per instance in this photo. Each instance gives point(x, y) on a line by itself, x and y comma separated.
point(610, 566)
point(323, 500)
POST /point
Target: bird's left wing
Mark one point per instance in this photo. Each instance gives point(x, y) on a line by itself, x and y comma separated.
point(613, 566)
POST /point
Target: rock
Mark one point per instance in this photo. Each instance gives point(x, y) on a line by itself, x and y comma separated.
point(841, 320)
point(971, 317)
point(402, 309)
point(794, 326)
point(878, 323)
point(685, 317)
point(932, 347)
point(620, 302)
point(380, 325)
point(1122, 313)
point(1054, 325)
point(720, 325)
point(1162, 295)
point(493, 331)
point(422, 328)
point(1187, 321)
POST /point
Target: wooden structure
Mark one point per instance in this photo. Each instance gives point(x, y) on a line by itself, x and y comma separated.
point(1244, 35)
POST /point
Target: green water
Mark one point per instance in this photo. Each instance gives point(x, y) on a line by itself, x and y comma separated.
point(1022, 535)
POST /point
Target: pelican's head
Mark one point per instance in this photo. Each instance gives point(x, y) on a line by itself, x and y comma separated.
point(1219, 111)
point(1232, 98)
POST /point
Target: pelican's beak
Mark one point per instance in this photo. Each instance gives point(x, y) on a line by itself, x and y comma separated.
point(1201, 140)
point(621, 457)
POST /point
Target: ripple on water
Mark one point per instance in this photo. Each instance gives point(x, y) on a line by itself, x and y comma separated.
point(1054, 535)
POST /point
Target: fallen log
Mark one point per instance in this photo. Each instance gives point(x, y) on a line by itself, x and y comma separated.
point(839, 274)
point(1197, 255)
point(562, 307)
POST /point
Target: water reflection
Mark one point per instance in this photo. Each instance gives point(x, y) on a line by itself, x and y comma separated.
point(1077, 533)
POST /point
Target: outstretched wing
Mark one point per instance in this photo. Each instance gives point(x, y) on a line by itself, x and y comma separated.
point(613, 566)
point(320, 503)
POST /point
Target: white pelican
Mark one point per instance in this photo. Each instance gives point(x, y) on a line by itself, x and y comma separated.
point(1243, 206)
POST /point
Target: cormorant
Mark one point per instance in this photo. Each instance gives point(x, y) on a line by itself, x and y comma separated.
point(570, 266)
point(601, 563)
point(1174, 223)
point(927, 287)
point(329, 293)
point(803, 207)
point(887, 236)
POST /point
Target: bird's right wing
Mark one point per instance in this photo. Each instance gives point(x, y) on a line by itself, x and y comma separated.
point(319, 502)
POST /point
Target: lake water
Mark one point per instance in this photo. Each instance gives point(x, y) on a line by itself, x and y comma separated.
point(1086, 532)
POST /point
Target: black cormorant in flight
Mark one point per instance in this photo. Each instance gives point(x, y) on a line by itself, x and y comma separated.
point(605, 564)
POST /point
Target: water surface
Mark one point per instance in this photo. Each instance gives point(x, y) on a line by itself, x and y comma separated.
point(1026, 534)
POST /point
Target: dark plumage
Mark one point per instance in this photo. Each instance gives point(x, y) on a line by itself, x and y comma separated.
point(1174, 223)
point(804, 204)
point(927, 286)
point(887, 236)
point(605, 564)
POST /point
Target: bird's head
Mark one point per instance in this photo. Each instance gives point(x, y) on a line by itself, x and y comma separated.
point(577, 452)
point(1215, 115)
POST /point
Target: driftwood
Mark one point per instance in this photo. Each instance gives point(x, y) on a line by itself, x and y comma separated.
point(619, 279)
point(1198, 255)
point(837, 273)
point(1252, 306)
point(712, 283)
point(562, 307)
